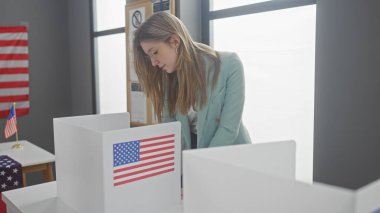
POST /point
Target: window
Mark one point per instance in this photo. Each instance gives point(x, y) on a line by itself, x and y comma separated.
point(276, 43)
point(111, 74)
point(110, 56)
point(108, 14)
point(219, 5)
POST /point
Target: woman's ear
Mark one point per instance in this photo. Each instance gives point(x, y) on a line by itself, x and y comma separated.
point(175, 40)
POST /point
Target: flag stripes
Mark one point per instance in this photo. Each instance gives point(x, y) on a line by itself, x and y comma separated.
point(14, 69)
point(11, 125)
point(13, 49)
point(156, 144)
point(18, 91)
point(22, 36)
point(14, 43)
point(144, 176)
point(13, 29)
point(14, 56)
point(141, 159)
point(145, 164)
point(13, 63)
point(10, 128)
point(157, 156)
point(4, 113)
point(15, 84)
point(11, 77)
point(14, 98)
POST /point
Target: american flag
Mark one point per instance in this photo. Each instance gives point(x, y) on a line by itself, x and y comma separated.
point(10, 174)
point(14, 72)
point(11, 126)
point(140, 159)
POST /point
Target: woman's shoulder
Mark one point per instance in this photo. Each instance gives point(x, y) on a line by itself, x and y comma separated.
point(229, 62)
point(227, 56)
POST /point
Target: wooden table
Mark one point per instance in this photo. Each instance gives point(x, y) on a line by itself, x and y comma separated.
point(32, 159)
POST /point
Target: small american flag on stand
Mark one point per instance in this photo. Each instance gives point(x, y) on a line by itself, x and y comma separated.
point(11, 126)
point(141, 159)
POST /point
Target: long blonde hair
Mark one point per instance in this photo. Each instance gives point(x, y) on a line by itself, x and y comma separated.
point(187, 86)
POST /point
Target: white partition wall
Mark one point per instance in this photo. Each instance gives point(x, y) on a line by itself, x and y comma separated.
point(275, 158)
point(104, 166)
point(255, 178)
point(368, 198)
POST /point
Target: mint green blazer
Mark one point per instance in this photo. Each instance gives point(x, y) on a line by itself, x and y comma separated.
point(220, 120)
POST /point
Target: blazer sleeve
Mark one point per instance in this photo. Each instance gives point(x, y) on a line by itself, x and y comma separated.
point(231, 114)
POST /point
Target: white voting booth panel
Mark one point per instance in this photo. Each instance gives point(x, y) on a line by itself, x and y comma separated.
point(103, 165)
point(260, 178)
point(368, 198)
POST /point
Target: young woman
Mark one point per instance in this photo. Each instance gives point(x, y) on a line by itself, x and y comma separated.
point(191, 83)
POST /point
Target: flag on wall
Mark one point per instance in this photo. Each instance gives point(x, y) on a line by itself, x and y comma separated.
point(14, 69)
point(141, 159)
point(11, 126)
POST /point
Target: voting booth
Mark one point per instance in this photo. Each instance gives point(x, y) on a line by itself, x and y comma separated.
point(91, 176)
point(103, 165)
point(260, 178)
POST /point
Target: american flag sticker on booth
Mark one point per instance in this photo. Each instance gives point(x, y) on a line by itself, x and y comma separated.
point(142, 159)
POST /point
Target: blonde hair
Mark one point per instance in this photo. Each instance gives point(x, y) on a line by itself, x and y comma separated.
point(188, 85)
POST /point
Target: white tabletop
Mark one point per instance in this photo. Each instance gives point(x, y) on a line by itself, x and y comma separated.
point(29, 155)
point(40, 198)
point(43, 198)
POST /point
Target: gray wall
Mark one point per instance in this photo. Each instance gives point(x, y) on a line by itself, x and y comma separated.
point(50, 91)
point(60, 66)
point(347, 93)
point(82, 97)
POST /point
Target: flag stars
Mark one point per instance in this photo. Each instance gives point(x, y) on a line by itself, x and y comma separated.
point(125, 153)
point(10, 174)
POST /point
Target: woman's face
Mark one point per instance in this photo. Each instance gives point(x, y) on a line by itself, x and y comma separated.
point(161, 54)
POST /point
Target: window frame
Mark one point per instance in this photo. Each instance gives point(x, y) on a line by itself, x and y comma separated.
point(94, 60)
point(208, 16)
